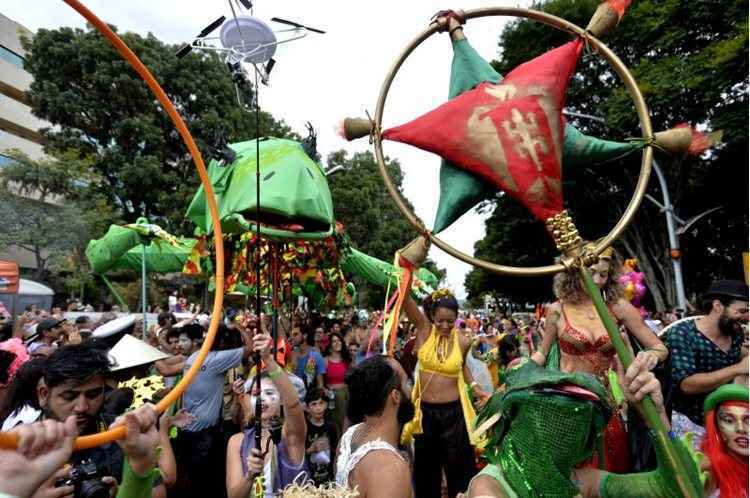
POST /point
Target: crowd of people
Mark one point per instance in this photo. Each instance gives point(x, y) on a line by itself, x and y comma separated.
point(319, 409)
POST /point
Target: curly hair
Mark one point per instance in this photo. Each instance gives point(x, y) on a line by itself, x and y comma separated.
point(568, 286)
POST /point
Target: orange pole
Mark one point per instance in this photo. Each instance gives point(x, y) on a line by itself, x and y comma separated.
point(9, 440)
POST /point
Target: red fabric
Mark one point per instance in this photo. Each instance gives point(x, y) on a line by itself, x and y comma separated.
point(335, 371)
point(510, 133)
point(619, 6)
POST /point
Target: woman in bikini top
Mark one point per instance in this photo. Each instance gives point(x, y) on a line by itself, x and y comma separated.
point(580, 333)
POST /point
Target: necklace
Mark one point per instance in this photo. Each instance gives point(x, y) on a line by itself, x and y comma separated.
point(442, 348)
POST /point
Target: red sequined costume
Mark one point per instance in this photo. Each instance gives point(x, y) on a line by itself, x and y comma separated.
point(596, 358)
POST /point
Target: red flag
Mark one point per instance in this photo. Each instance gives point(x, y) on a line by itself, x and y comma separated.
point(510, 133)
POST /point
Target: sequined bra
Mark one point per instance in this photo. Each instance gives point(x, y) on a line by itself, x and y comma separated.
point(597, 353)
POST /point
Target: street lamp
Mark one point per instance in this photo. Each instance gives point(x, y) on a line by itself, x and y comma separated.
point(666, 207)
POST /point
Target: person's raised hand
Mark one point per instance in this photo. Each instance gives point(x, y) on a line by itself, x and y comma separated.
point(262, 344)
point(141, 439)
point(647, 360)
point(43, 447)
point(639, 383)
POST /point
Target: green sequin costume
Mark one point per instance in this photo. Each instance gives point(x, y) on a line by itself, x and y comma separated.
point(544, 431)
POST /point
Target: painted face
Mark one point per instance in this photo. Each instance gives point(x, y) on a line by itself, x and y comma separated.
point(184, 344)
point(600, 273)
point(84, 401)
point(270, 400)
point(732, 420)
point(445, 320)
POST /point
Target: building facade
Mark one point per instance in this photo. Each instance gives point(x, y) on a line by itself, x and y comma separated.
point(19, 129)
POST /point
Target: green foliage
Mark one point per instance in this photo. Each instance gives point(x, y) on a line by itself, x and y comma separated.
point(690, 59)
point(51, 208)
point(372, 221)
point(100, 107)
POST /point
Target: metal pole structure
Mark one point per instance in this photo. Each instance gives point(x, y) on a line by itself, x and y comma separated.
point(143, 288)
point(674, 241)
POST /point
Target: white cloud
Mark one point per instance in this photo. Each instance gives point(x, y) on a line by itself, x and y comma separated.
point(323, 78)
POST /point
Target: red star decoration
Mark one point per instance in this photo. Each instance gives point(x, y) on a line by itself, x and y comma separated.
point(509, 133)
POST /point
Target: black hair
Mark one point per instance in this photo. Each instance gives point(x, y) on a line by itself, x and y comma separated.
point(308, 333)
point(369, 385)
point(507, 345)
point(77, 363)
point(708, 302)
point(226, 338)
point(81, 319)
point(445, 300)
point(162, 318)
point(316, 394)
point(6, 360)
point(344, 351)
point(23, 388)
point(193, 331)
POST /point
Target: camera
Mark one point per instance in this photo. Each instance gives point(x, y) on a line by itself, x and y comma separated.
point(86, 478)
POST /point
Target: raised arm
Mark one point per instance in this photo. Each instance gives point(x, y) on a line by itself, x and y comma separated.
point(294, 430)
point(550, 334)
point(418, 319)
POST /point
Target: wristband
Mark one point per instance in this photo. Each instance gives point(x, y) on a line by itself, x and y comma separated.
point(275, 373)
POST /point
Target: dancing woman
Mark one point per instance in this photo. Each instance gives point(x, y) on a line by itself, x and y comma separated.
point(444, 416)
point(575, 340)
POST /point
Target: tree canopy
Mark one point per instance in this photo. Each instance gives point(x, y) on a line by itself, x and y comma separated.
point(372, 221)
point(691, 63)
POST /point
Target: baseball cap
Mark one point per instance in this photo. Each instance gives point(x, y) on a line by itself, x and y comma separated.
point(729, 288)
point(48, 324)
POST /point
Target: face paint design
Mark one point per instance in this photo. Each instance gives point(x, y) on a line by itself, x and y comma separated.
point(732, 421)
point(270, 399)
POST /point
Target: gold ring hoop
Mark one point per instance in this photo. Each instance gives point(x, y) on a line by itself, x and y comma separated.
point(10, 440)
point(614, 62)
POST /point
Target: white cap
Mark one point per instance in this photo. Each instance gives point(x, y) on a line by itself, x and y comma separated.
point(113, 326)
point(132, 352)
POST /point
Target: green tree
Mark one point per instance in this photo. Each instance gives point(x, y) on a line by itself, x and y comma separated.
point(51, 208)
point(691, 62)
point(99, 106)
point(372, 221)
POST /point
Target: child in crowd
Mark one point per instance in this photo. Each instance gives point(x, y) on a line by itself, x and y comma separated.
point(321, 437)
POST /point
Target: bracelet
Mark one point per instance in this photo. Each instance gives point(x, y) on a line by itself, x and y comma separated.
point(454, 29)
point(275, 373)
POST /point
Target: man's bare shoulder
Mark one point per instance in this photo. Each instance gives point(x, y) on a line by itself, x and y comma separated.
point(382, 473)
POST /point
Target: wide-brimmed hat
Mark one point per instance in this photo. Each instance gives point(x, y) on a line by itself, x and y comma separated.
point(131, 352)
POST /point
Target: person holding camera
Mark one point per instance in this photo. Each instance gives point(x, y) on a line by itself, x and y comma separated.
point(74, 385)
point(37, 467)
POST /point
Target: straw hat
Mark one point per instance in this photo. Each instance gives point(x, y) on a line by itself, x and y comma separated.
point(132, 352)
point(113, 326)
